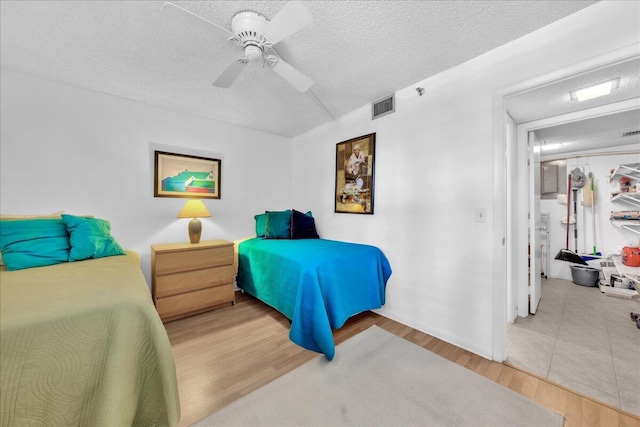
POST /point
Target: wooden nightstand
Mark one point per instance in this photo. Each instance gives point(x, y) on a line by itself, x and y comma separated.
point(190, 278)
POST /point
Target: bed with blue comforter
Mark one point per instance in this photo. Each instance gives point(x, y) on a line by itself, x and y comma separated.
point(316, 283)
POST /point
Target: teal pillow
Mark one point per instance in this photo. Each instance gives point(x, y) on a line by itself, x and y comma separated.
point(260, 223)
point(27, 243)
point(90, 238)
point(277, 225)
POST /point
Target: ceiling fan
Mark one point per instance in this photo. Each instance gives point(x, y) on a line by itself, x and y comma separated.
point(256, 35)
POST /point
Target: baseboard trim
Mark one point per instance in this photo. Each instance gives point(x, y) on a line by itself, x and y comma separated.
point(451, 339)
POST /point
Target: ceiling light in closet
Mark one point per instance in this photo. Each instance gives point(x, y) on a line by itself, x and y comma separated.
point(546, 147)
point(595, 91)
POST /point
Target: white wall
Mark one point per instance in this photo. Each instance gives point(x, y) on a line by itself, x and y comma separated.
point(89, 153)
point(435, 166)
point(609, 238)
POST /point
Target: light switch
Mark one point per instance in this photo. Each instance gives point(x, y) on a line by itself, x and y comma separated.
point(481, 215)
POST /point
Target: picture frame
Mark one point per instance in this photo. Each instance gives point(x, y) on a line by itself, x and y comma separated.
point(355, 175)
point(186, 176)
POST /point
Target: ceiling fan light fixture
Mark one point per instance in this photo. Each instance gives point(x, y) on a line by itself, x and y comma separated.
point(249, 35)
point(595, 91)
point(252, 53)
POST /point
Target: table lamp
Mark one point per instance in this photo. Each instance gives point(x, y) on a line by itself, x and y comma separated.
point(194, 209)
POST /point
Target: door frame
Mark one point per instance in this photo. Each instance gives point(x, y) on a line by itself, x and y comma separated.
point(534, 290)
point(507, 158)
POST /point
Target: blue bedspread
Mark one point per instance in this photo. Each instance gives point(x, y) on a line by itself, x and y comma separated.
point(316, 283)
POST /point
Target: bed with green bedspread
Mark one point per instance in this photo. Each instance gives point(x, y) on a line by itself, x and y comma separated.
point(82, 344)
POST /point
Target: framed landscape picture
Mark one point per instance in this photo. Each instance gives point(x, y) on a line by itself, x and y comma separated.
point(181, 175)
point(355, 169)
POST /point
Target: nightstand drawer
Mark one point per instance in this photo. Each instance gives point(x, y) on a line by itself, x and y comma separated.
point(197, 300)
point(191, 278)
point(175, 261)
point(186, 281)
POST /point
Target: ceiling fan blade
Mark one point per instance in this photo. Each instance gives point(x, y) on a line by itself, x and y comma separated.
point(229, 75)
point(293, 76)
point(293, 17)
point(179, 14)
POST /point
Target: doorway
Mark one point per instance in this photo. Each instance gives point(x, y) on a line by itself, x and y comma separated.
point(578, 336)
point(512, 202)
point(529, 211)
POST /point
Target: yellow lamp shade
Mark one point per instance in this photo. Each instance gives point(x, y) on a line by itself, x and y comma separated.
point(194, 209)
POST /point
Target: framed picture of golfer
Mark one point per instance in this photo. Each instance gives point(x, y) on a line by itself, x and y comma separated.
point(181, 175)
point(355, 170)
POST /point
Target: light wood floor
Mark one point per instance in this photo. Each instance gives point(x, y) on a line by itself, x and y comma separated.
point(227, 353)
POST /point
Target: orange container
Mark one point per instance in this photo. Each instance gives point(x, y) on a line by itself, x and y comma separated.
point(631, 256)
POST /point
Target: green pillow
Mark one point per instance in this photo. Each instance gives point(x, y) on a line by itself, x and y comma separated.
point(90, 238)
point(31, 243)
point(277, 225)
point(260, 223)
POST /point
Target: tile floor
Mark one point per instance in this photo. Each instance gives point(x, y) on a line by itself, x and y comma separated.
point(583, 340)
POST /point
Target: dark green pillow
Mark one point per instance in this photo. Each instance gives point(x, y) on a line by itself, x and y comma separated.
point(277, 225)
point(27, 243)
point(90, 238)
point(260, 223)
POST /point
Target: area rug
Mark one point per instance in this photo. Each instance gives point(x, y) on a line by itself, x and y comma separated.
point(380, 379)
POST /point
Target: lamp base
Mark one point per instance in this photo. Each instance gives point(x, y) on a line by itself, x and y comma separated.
point(195, 230)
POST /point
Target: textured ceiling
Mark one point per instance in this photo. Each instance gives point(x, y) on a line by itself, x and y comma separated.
point(356, 52)
point(595, 133)
point(554, 99)
point(589, 134)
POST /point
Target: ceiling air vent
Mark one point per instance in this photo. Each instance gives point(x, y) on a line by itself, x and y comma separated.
point(634, 132)
point(383, 107)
